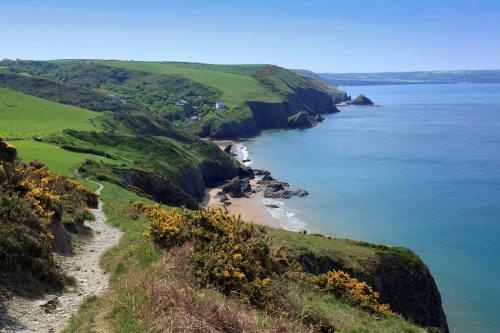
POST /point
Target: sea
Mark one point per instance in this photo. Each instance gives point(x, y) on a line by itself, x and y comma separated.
point(421, 169)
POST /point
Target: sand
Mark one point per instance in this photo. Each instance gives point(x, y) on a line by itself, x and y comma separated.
point(251, 209)
point(223, 143)
point(255, 208)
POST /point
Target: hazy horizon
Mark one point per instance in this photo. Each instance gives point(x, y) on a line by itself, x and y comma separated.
point(322, 36)
point(249, 64)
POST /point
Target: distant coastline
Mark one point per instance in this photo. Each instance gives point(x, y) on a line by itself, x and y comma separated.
point(400, 78)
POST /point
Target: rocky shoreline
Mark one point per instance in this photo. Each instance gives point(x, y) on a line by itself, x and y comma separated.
point(264, 183)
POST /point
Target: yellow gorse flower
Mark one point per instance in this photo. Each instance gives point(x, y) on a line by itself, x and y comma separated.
point(343, 286)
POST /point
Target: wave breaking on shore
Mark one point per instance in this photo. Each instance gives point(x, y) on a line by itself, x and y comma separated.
point(286, 216)
point(243, 154)
point(283, 214)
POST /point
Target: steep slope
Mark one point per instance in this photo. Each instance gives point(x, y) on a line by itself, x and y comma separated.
point(171, 171)
point(83, 266)
point(400, 276)
point(37, 211)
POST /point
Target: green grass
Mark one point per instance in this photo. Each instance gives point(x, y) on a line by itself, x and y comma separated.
point(25, 116)
point(58, 160)
point(349, 319)
point(122, 307)
point(237, 86)
point(350, 252)
point(180, 163)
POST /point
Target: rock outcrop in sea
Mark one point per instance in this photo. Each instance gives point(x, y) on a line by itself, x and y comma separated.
point(361, 100)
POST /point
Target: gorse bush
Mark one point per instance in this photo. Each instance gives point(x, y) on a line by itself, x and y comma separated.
point(351, 290)
point(167, 227)
point(237, 258)
point(32, 202)
point(228, 253)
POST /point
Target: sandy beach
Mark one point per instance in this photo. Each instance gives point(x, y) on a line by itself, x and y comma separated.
point(251, 209)
point(223, 143)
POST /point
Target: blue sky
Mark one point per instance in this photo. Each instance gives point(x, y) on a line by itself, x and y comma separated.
point(321, 35)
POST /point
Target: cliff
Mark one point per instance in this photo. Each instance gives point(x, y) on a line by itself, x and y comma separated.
point(276, 115)
point(400, 276)
point(298, 94)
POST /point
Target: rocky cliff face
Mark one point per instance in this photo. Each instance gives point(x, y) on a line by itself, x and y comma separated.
point(410, 289)
point(157, 187)
point(185, 191)
point(400, 277)
point(276, 115)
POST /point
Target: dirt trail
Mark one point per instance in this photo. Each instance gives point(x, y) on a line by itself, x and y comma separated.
point(28, 315)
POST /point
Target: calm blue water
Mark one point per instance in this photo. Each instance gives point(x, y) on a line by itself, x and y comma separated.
point(422, 170)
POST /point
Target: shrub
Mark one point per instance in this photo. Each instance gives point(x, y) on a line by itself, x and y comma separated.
point(234, 255)
point(351, 290)
point(228, 253)
point(167, 228)
point(32, 200)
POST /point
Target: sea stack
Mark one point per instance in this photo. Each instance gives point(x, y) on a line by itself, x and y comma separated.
point(361, 100)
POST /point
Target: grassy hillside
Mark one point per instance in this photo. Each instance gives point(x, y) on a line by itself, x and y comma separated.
point(25, 116)
point(235, 82)
point(60, 161)
point(256, 96)
point(179, 166)
point(69, 94)
point(167, 169)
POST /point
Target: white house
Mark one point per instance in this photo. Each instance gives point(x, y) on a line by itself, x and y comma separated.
point(219, 105)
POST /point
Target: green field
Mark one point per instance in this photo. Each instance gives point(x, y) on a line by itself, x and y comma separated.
point(58, 160)
point(234, 81)
point(23, 116)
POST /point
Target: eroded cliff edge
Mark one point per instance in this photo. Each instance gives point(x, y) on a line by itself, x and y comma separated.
point(399, 275)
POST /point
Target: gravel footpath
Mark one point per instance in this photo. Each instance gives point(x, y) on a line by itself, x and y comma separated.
point(52, 312)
